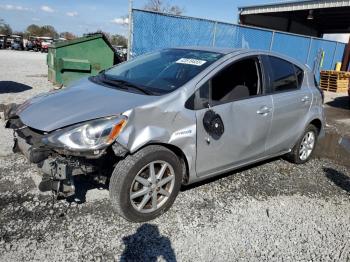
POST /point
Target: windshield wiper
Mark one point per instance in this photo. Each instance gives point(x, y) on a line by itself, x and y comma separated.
point(125, 84)
point(135, 86)
point(110, 82)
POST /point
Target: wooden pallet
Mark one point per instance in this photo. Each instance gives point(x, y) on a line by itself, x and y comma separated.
point(335, 90)
point(336, 73)
point(334, 81)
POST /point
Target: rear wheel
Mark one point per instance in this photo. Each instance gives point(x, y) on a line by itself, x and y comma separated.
point(144, 185)
point(304, 148)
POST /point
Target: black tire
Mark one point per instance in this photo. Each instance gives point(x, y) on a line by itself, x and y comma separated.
point(125, 172)
point(294, 155)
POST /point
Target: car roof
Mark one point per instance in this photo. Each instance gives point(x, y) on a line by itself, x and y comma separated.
point(223, 51)
point(247, 51)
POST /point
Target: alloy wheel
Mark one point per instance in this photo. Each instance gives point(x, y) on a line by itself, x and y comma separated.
point(307, 145)
point(152, 186)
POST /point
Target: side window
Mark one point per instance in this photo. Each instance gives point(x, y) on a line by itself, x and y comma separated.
point(283, 76)
point(239, 80)
point(300, 75)
point(200, 99)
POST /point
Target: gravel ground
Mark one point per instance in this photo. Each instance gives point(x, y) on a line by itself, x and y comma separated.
point(22, 75)
point(272, 211)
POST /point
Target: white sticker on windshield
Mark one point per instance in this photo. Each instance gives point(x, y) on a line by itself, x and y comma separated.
point(190, 61)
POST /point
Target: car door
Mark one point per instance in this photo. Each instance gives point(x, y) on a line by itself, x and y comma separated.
point(291, 102)
point(241, 119)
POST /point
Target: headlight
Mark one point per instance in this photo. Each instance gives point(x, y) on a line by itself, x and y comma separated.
point(91, 135)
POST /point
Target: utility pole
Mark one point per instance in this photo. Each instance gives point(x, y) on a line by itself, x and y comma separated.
point(130, 29)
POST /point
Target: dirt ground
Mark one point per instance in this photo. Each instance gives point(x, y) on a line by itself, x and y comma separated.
point(270, 211)
point(337, 111)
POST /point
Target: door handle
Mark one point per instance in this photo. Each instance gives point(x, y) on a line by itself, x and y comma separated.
point(264, 110)
point(305, 99)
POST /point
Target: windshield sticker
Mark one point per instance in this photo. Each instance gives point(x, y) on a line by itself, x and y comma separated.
point(191, 61)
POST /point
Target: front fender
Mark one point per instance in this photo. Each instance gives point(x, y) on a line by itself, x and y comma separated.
point(159, 124)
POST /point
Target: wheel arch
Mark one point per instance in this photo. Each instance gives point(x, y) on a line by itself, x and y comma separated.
point(179, 153)
point(317, 123)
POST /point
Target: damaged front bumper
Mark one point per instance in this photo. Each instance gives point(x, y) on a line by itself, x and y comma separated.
point(59, 165)
point(59, 169)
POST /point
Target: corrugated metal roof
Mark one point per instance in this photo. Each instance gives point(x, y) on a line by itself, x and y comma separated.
point(286, 6)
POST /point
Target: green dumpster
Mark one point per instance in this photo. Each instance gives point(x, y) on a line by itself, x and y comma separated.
point(84, 56)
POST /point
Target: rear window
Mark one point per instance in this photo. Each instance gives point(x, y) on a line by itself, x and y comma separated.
point(283, 76)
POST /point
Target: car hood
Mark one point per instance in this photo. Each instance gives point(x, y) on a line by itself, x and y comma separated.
point(81, 102)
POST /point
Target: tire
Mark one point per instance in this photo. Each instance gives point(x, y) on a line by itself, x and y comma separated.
point(125, 178)
point(295, 155)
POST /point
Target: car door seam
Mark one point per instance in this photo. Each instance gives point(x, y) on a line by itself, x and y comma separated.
point(271, 121)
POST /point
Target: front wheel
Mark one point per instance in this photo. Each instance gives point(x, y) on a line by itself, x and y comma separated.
point(304, 148)
point(144, 185)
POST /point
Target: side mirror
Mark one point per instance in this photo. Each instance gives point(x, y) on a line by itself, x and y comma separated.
point(213, 124)
point(206, 104)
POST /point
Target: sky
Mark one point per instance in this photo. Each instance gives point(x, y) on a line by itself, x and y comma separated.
point(82, 16)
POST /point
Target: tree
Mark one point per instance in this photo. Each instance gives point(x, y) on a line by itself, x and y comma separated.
point(67, 35)
point(34, 30)
point(114, 39)
point(176, 10)
point(163, 7)
point(118, 40)
point(48, 30)
point(5, 29)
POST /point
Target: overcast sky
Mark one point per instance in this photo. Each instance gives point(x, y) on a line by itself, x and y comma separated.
point(82, 16)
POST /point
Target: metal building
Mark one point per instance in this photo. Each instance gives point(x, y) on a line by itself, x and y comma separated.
point(312, 18)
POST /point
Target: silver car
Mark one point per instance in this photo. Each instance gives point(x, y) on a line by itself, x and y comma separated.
point(170, 118)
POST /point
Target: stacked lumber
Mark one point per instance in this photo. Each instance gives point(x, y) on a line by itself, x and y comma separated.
point(335, 81)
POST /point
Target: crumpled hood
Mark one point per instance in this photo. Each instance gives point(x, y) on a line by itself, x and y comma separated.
point(81, 102)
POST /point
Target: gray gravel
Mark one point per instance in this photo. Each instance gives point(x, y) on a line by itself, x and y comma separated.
point(272, 211)
point(20, 71)
point(27, 68)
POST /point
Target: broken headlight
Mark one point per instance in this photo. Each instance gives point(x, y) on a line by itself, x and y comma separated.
point(90, 135)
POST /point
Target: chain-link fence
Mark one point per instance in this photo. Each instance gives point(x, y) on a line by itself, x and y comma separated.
point(151, 31)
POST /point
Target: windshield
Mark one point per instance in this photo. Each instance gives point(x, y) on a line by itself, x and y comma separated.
point(163, 71)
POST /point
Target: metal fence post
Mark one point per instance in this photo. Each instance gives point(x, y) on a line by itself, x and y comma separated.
point(308, 52)
point(130, 30)
point(214, 33)
point(272, 39)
